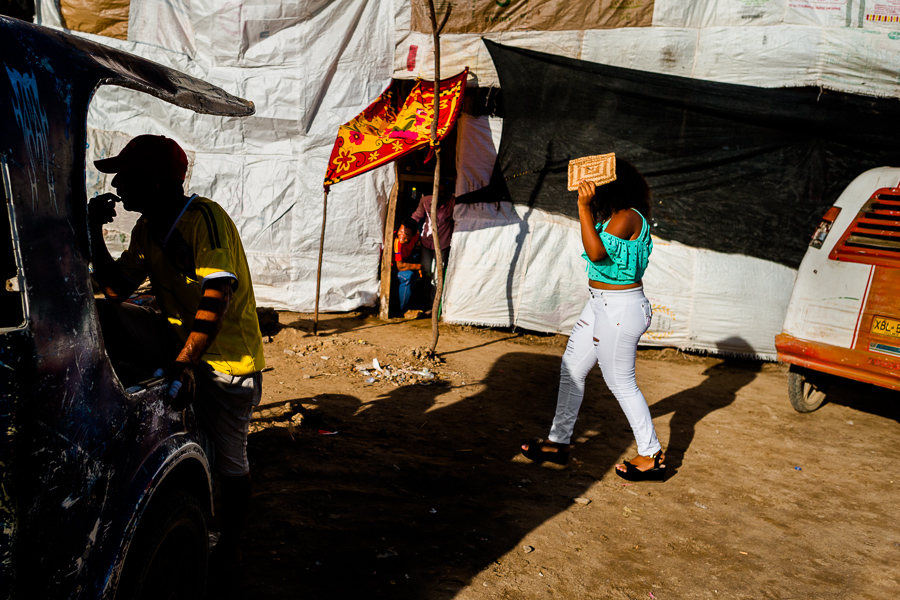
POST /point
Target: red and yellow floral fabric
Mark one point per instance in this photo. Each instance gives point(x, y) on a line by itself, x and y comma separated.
point(380, 133)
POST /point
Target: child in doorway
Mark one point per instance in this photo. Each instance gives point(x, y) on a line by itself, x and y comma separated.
point(407, 260)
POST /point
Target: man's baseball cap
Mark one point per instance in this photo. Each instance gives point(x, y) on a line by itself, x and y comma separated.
point(154, 154)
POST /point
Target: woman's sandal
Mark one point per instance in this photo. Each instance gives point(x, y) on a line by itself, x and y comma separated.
point(536, 450)
point(656, 473)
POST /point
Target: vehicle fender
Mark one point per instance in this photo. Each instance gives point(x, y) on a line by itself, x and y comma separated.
point(175, 463)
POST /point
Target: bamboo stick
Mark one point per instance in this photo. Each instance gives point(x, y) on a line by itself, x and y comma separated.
point(319, 267)
point(439, 262)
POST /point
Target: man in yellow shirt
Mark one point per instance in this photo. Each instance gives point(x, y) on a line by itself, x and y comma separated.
point(191, 251)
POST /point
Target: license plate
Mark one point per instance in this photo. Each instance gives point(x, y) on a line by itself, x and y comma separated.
point(883, 326)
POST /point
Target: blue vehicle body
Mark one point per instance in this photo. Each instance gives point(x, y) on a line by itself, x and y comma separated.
point(81, 458)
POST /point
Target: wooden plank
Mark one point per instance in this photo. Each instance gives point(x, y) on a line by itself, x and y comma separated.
point(386, 253)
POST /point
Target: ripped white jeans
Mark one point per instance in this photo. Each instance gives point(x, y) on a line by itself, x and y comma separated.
point(617, 318)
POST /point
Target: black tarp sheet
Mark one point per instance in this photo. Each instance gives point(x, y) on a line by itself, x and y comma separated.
point(732, 168)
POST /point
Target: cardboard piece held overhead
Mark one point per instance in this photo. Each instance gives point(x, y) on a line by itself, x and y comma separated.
point(600, 169)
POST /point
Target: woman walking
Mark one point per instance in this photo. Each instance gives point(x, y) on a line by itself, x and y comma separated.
point(617, 246)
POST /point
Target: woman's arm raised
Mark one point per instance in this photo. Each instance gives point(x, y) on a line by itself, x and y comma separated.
point(624, 224)
point(590, 239)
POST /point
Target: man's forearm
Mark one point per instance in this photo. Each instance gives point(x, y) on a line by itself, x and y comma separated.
point(207, 322)
point(106, 271)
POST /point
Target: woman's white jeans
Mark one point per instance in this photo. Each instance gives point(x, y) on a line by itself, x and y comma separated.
point(617, 319)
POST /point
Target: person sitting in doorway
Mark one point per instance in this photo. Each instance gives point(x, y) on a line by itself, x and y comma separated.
point(407, 252)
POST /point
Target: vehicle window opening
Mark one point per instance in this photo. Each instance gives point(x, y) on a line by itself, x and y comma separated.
point(132, 333)
point(12, 307)
point(135, 338)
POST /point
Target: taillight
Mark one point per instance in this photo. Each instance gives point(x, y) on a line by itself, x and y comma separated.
point(818, 237)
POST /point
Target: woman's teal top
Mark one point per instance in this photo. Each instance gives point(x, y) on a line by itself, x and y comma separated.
point(625, 261)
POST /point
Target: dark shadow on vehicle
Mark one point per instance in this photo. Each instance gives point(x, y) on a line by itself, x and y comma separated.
point(415, 509)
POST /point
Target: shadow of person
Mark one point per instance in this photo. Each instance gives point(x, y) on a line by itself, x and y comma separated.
point(689, 407)
point(420, 491)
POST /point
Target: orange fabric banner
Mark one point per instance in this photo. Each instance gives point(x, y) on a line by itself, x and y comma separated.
point(380, 133)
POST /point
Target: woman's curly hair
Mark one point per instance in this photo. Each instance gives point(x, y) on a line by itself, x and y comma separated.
point(629, 190)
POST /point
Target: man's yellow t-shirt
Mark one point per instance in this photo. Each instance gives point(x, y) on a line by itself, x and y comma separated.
point(203, 246)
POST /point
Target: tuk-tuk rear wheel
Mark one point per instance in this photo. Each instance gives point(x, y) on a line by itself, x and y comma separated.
point(806, 389)
point(168, 557)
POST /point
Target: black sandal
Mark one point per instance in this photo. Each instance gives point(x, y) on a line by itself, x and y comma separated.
point(632, 473)
point(535, 450)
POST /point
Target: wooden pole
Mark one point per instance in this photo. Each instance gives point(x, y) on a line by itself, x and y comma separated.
point(387, 253)
point(319, 268)
point(439, 259)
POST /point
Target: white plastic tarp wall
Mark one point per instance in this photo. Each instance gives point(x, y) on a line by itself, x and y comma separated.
point(520, 267)
point(310, 65)
point(836, 44)
point(515, 266)
point(307, 66)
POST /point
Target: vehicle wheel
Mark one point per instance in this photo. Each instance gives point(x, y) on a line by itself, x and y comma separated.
point(168, 556)
point(806, 389)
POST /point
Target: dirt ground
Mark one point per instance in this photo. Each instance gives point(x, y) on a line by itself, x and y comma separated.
point(407, 482)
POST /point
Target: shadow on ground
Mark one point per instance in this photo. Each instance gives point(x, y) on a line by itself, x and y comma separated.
point(690, 406)
point(867, 398)
point(412, 499)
